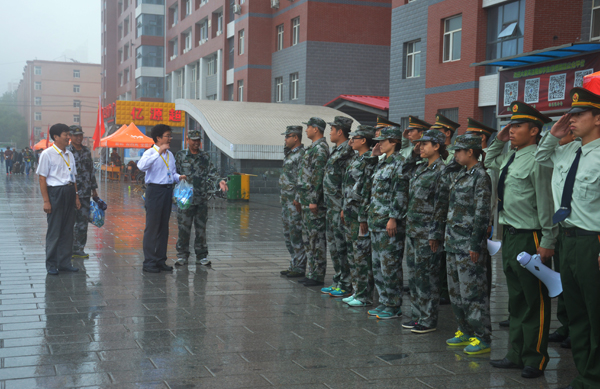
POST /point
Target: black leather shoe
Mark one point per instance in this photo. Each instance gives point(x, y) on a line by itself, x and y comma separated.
point(151, 269)
point(314, 283)
point(556, 337)
point(165, 267)
point(566, 343)
point(69, 268)
point(531, 372)
point(504, 323)
point(444, 301)
point(505, 364)
point(53, 272)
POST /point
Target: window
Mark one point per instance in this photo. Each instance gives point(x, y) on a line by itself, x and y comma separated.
point(413, 59)
point(188, 42)
point(38, 101)
point(294, 86)
point(230, 92)
point(151, 87)
point(37, 85)
point(126, 52)
point(37, 131)
point(188, 7)
point(159, 2)
point(150, 25)
point(219, 23)
point(450, 113)
point(506, 24)
point(38, 116)
point(211, 97)
point(37, 70)
point(595, 31)
point(126, 75)
point(240, 42)
point(452, 35)
point(149, 56)
point(211, 65)
point(174, 48)
point(279, 89)
point(76, 88)
point(120, 79)
point(295, 31)
point(76, 73)
point(240, 84)
point(76, 119)
point(404, 122)
point(173, 15)
point(280, 37)
point(76, 103)
point(126, 27)
point(203, 31)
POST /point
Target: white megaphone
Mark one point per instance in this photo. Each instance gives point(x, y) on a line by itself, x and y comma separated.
point(548, 276)
point(493, 246)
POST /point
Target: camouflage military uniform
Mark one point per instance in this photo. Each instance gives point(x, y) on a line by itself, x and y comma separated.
point(86, 182)
point(336, 230)
point(292, 219)
point(356, 179)
point(202, 174)
point(469, 193)
point(310, 191)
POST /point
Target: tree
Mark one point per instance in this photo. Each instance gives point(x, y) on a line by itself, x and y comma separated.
point(13, 127)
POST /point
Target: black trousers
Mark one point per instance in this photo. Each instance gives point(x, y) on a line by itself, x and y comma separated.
point(156, 233)
point(59, 237)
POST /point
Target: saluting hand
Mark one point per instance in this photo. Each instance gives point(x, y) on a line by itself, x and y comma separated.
point(561, 128)
point(376, 150)
point(504, 135)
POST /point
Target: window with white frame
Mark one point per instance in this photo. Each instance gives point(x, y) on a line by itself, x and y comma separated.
point(280, 37)
point(76, 119)
point(120, 79)
point(452, 37)
point(595, 30)
point(76, 73)
point(174, 15)
point(219, 23)
point(279, 89)
point(76, 103)
point(37, 131)
point(37, 85)
point(240, 85)
point(203, 31)
point(126, 75)
point(240, 42)
point(188, 42)
point(188, 7)
point(413, 59)
point(294, 86)
point(37, 116)
point(211, 65)
point(38, 101)
point(202, 2)
point(76, 88)
point(37, 70)
point(295, 31)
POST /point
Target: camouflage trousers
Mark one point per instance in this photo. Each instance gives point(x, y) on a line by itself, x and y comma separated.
point(361, 264)
point(292, 232)
point(196, 214)
point(467, 285)
point(313, 235)
point(387, 255)
point(338, 248)
point(424, 281)
point(80, 229)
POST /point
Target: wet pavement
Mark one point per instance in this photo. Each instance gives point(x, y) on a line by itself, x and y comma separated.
point(235, 324)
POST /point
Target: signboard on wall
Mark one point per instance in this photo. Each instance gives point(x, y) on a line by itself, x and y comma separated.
point(546, 85)
point(146, 113)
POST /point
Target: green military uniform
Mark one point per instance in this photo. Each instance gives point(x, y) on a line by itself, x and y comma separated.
point(334, 197)
point(579, 217)
point(86, 183)
point(203, 175)
point(468, 191)
point(292, 219)
point(525, 205)
point(388, 200)
point(425, 221)
point(356, 178)
point(310, 191)
point(414, 123)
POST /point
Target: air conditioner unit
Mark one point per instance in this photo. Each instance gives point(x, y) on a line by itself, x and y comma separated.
point(274, 3)
point(237, 9)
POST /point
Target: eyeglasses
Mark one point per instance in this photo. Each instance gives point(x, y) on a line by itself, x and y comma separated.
point(289, 136)
point(167, 136)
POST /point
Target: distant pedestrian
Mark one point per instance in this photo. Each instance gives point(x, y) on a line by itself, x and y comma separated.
point(57, 171)
point(1, 156)
point(28, 159)
point(161, 175)
point(8, 154)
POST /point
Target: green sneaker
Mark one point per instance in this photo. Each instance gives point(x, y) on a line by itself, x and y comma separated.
point(459, 339)
point(80, 254)
point(328, 289)
point(477, 347)
point(375, 312)
point(337, 292)
point(358, 303)
point(390, 313)
point(348, 299)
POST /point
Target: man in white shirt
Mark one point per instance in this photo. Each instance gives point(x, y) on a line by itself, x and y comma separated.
point(57, 173)
point(161, 176)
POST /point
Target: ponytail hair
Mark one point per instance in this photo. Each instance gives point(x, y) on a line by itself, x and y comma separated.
point(478, 153)
point(443, 152)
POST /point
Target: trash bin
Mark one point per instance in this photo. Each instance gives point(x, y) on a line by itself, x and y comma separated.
point(234, 183)
point(245, 187)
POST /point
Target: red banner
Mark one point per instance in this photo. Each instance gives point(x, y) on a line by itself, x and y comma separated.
point(546, 85)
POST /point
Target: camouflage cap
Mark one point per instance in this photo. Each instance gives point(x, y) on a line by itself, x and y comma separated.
point(435, 136)
point(442, 122)
point(316, 122)
point(364, 131)
point(390, 133)
point(583, 100)
point(293, 130)
point(194, 135)
point(525, 113)
point(76, 130)
point(465, 142)
point(341, 122)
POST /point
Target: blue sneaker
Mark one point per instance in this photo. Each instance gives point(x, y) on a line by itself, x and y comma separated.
point(328, 289)
point(337, 292)
point(348, 299)
point(375, 312)
point(357, 303)
point(477, 347)
point(459, 339)
point(390, 313)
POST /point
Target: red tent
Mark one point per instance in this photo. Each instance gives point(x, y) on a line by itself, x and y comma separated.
point(41, 145)
point(129, 137)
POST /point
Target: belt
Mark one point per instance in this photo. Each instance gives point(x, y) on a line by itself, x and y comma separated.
point(167, 186)
point(60, 186)
point(576, 231)
point(514, 231)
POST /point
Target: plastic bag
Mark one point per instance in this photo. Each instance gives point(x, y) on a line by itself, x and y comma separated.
point(182, 194)
point(96, 216)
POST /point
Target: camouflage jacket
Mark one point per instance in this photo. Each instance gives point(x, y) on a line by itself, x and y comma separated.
point(200, 172)
point(28, 156)
point(427, 210)
point(334, 175)
point(310, 174)
point(357, 176)
point(86, 180)
point(289, 173)
point(469, 194)
point(387, 190)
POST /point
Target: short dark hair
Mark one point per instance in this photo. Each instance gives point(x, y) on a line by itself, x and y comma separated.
point(159, 130)
point(595, 111)
point(58, 129)
point(299, 135)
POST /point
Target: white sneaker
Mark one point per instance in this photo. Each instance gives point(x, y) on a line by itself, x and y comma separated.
point(203, 262)
point(348, 299)
point(181, 261)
